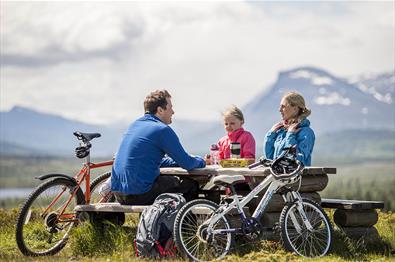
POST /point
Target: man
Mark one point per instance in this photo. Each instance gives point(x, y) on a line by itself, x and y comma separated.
point(135, 177)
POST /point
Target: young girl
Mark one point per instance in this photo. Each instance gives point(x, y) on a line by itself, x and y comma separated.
point(233, 124)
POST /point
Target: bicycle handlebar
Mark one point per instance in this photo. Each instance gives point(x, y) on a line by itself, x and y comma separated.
point(283, 164)
point(261, 162)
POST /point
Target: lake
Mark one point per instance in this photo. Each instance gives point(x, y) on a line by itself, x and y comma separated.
point(15, 192)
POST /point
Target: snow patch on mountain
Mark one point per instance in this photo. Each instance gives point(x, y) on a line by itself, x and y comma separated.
point(386, 98)
point(380, 86)
point(332, 99)
point(315, 79)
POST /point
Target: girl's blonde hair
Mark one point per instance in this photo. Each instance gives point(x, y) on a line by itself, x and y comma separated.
point(296, 99)
point(234, 111)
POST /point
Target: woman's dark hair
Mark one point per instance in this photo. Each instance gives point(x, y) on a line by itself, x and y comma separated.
point(154, 100)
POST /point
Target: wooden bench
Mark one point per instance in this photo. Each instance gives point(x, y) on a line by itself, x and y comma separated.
point(112, 212)
point(109, 207)
point(355, 217)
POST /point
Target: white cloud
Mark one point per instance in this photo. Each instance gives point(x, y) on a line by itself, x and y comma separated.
point(96, 61)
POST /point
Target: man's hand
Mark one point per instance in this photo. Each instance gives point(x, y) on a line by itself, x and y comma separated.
point(293, 128)
point(277, 126)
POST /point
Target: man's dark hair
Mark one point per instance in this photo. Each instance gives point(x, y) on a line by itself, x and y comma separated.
point(155, 99)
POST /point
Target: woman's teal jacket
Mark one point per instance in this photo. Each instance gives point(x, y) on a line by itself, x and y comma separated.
point(304, 138)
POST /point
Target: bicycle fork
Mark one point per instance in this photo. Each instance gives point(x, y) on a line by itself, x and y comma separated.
point(299, 206)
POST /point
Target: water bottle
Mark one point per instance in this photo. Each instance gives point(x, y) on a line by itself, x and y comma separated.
point(214, 152)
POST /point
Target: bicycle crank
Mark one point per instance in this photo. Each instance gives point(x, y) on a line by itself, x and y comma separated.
point(252, 229)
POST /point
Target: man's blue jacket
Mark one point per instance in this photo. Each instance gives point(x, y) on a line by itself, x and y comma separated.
point(304, 138)
point(142, 152)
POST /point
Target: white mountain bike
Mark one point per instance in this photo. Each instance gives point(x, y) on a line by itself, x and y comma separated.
point(203, 233)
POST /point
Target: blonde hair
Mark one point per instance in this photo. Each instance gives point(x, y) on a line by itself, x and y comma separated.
point(233, 111)
point(296, 99)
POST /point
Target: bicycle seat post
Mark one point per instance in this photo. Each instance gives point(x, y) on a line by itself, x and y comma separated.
point(233, 190)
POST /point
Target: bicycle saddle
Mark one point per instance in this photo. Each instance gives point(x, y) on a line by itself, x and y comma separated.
point(86, 137)
point(228, 180)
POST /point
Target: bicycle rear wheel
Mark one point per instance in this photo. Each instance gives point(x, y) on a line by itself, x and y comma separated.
point(95, 187)
point(40, 230)
point(296, 237)
point(190, 232)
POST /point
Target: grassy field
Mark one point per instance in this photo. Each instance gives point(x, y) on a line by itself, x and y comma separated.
point(114, 243)
point(369, 180)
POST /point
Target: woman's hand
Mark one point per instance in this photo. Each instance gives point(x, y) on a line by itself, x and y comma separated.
point(277, 126)
point(293, 128)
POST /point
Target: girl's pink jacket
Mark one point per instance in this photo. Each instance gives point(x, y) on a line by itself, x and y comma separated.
point(246, 140)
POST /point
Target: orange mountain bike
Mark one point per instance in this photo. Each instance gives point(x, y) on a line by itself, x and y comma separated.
point(47, 216)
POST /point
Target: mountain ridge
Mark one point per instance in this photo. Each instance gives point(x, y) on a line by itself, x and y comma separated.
point(337, 104)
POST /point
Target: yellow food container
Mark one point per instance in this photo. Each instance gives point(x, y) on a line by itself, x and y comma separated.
point(236, 162)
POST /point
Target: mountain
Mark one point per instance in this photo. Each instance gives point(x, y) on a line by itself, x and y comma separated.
point(381, 86)
point(337, 105)
point(7, 148)
point(24, 130)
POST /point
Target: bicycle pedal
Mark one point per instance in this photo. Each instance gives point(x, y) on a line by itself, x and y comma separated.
point(276, 228)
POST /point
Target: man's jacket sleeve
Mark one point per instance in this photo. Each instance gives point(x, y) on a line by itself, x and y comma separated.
point(168, 162)
point(172, 147)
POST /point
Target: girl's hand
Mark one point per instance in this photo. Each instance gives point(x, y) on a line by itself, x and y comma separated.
point(277, 126)
point(207, 159)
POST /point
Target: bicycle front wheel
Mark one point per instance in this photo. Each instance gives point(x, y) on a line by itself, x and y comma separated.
point(296, 236)
point(41, 229)
point(190, 232)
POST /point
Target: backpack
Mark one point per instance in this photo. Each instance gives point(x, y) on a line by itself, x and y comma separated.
point(154, 237)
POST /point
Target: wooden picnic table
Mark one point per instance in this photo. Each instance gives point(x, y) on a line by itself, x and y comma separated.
point(315, 177)
point(314, 180)
point(348, 213)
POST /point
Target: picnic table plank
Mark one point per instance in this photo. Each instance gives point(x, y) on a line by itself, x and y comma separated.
point(214, 170)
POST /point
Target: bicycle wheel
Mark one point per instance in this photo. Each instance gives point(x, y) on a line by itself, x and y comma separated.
point(190, 232)
point(39, 229)
point(96, 195)
point(296, 237)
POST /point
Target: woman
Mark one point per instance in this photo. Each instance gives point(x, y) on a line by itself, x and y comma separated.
point(294, 129)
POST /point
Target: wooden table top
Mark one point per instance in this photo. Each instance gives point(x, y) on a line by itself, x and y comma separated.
point(214, 170)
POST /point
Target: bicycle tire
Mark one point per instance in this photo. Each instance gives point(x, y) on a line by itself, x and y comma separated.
point(34, 233)
point(189, 237)
point(315, 243)
point(95, 186)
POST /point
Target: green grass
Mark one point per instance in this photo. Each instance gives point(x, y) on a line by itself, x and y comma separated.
point(114, 243)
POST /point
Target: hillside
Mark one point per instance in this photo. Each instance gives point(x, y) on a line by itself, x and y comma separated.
point(369, 144)
point(337, 104)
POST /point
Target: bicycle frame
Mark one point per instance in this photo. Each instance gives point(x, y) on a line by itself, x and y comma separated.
point(273, 184)
point(81, 176)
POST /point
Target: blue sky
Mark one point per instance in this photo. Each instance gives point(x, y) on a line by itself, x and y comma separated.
point(96, 61)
